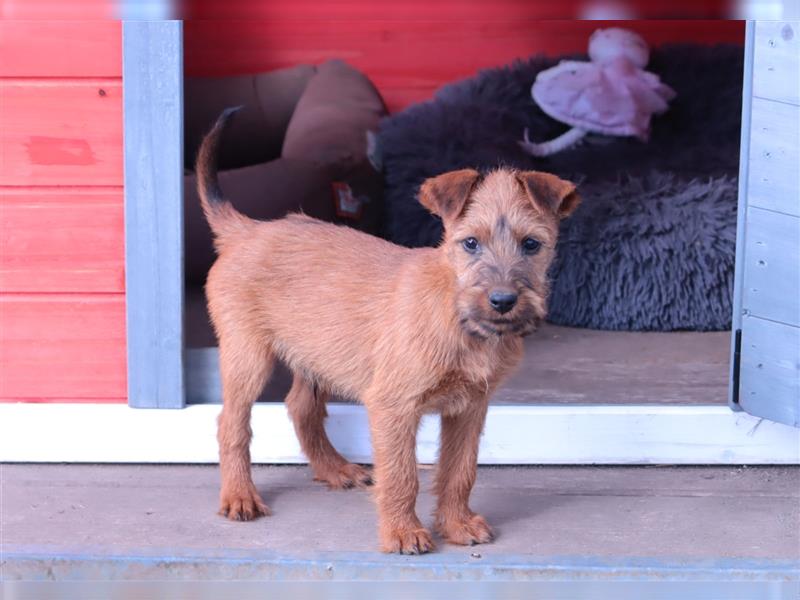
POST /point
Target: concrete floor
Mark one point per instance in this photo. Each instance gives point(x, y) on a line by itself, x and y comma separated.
point(72, 521)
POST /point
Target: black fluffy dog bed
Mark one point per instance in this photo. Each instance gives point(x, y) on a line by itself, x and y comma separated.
point(652, 245)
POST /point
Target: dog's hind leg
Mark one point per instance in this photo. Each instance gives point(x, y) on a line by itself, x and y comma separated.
point(306, 405)
point(245, 369)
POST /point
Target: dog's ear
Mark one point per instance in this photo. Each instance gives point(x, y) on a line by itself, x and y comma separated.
point(550, 193)
point(447, 194)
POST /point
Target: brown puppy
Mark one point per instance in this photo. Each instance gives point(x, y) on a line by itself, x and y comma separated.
point(404, 331)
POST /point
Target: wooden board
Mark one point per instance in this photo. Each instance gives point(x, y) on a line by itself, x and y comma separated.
point(565, 366)
point(60, 48)
point(513, 435)
point(55, 240)
point(562, 365)
point(154, 212)
point(62, 327)
point(774, 180)
point(79, 11)
point(446, 10)
point(770, 375)
point(767, 280)
point(741, 210)
point(62, 346)
point(409, 58)
point(777, 61)
point(771, 270)
point(61, 132)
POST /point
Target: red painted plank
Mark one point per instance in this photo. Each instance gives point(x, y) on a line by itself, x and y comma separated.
point(62, 241)
point(60, 49)
point(449, 10)
point(61, 132)
point(49, 10)
point(62, 346)
point(402, 10)
point(61, 126)
point(61, 400)
point(408, 60)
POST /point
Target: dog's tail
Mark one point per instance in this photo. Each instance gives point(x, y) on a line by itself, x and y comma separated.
point(222, 217)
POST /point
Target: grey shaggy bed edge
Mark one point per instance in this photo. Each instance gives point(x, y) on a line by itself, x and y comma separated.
point(648, 253)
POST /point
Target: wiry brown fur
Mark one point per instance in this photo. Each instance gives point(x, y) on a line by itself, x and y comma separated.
point(404, 331)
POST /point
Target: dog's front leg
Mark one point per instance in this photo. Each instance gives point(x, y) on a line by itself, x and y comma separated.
point(458, 462)
point(394, 438)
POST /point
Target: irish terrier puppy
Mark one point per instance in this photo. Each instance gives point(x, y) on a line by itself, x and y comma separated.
point(404, 331)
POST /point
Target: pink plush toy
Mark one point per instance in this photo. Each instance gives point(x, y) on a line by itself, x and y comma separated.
point(612, 95)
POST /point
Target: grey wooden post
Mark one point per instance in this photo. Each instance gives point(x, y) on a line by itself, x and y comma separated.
point(766, 319)
point(153, 124)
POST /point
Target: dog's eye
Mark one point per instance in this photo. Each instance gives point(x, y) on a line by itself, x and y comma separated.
point(470, 245)
point(530, 245)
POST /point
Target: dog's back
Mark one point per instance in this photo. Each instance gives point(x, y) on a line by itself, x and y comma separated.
point(293, 276)
point(324, 294)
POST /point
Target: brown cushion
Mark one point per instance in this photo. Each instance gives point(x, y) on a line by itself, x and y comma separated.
point(331, 119)
point(256, 134)
point(266, 191)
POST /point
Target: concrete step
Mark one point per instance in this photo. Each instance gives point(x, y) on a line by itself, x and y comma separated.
point(135, 522)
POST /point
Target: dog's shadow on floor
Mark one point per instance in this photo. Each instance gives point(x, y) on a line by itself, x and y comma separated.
point(517, 515)
point(506, 510)
point(292, 479)
point(274, 483)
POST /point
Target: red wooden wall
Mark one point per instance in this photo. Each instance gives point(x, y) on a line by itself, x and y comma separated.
point(411, 47)
point(62, 303)
point(62, 310)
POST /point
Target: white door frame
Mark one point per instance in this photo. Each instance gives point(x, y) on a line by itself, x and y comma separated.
point(551, 435)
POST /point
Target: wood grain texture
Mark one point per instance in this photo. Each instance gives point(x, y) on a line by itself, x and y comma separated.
point(50, 10)
point(61, 241)
point(60, 132)
point(777, 61)
point(767, 279)
point(62, 327)
point(408, 59)
point(153, 77)
point(561, 366)
point(774, 179)
point(60, 48)
point(770, 375)
point(771, 270)
point(521, 435)
point(446, 10)
point(62, 347)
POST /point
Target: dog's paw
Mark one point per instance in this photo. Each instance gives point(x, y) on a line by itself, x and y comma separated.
point(242, 505)
point(410, 540)
point(345, 476)
point(466, 532)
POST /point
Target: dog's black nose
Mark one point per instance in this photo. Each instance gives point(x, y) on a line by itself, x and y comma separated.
point(502, 302)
